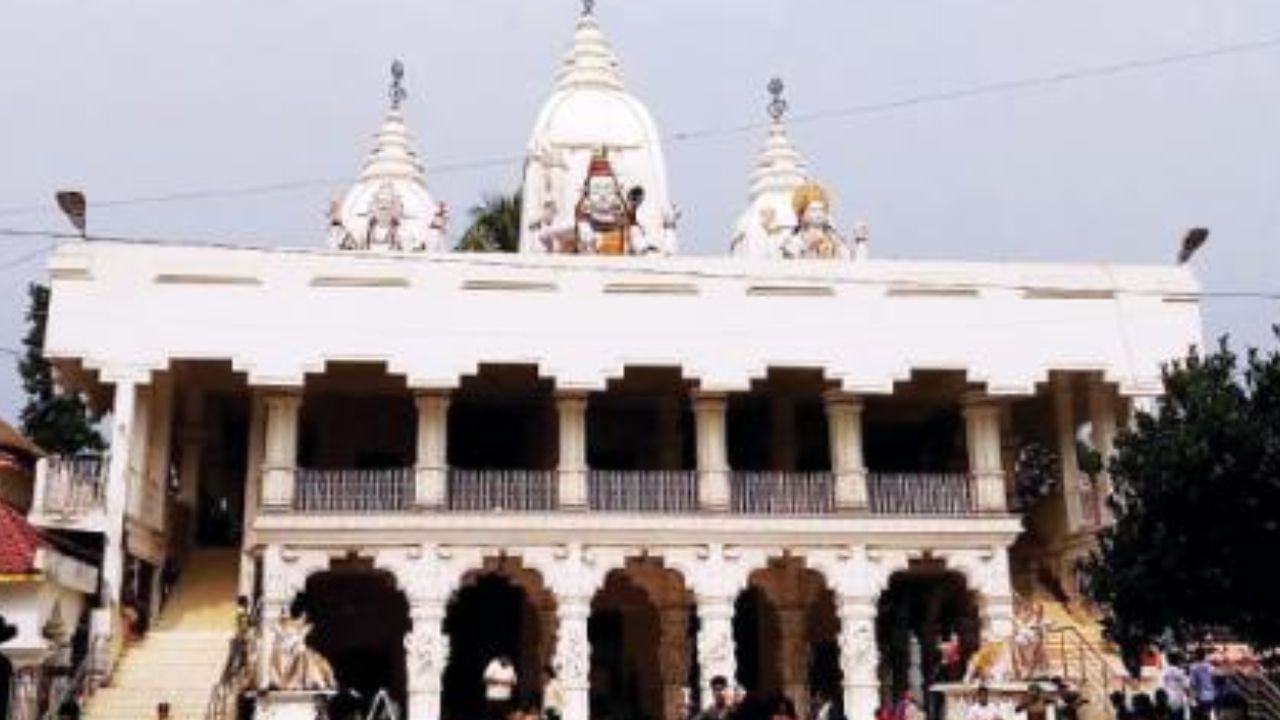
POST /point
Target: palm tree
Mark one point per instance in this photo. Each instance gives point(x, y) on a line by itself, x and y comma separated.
point(495, 225)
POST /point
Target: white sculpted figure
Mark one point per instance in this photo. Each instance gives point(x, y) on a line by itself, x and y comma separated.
point(814, 235)
point(606, 215)
point(294, 665)
point(386, 212)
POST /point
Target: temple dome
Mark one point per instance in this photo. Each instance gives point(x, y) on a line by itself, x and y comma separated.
point(389, 208)
point(590, 114)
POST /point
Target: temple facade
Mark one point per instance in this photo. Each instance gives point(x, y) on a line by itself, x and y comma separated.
point(793, 465)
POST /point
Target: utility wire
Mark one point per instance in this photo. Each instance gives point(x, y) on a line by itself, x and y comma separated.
point(996, 88)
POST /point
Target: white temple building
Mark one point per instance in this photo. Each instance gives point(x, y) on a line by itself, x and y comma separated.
point(788, 465)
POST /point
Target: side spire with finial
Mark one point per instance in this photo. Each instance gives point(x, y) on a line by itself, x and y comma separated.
point(779, 166)
point(588, 7)
point(777, 104)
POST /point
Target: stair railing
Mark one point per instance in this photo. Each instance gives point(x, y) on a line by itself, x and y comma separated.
point(1090, 666)
point(1257, 690)
point(236, 666)
point(383, 707)
point(79, 685)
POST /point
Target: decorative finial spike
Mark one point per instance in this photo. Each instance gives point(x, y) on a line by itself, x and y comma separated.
point(588, 7)
point(398, 93)
point(777, 105)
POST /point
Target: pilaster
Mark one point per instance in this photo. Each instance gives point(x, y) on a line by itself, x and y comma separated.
point(571, 409)
point(982, 436)
point(859, 656)
point(1102, 419)
point(280, 466)
point(431, 464)
point(1065, 424)
point(844, 424)
point(713, 454)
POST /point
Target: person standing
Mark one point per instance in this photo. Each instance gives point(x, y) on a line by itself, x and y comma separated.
point(721, 706)
point(499, 687)
point(982, 709)
point(1203, 692)
point(1177, 686)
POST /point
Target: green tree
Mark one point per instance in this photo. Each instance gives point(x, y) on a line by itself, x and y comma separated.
point(1197, 506)
point(495, 225)
point(58, 423)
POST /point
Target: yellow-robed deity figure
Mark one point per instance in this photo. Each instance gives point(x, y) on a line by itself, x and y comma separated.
point(605, 215)
point(814, 235)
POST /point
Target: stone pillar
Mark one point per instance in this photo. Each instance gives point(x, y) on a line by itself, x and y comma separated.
point(280, 466)
point(571, 407)
point(793, 656)
point(782, 433)
point(1064, 420)
point(844, 425)
point(713, 452)
point(715, 641)
point(859, 656)
point(191, 441)
point(573, 655)
point(252, 489)
point(431, 466)
point(124, 413)
point(673, 655)
point(426, 654)
point(155, 480)
point(982, 434)
point(1102, 419)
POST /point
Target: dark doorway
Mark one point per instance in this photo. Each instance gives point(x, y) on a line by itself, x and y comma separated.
point(485, 620)
point(360, 620)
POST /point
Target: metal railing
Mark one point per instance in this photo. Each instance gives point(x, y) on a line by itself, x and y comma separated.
point(642, 491)
point(353, 491)
point(1262, 696)
point(237, 669)
point(920, 493)
point(502, 490)
point(1070, 655)
point(73, 486)
point(782, 493)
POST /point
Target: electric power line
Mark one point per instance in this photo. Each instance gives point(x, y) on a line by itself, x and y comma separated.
point(995, 88)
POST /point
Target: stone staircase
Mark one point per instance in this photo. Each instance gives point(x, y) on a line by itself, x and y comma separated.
point(181, 658)
point(1076, 650)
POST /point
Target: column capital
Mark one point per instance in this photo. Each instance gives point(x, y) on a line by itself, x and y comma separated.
point(708, 399)
point(977, 400)
point(282, 397)
point(843, 399)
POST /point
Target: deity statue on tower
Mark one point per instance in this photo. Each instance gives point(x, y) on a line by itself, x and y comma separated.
point(386, 212)
point(814, 236)
point(606, 214)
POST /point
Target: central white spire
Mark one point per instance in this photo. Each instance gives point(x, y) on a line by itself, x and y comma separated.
point(595, 180)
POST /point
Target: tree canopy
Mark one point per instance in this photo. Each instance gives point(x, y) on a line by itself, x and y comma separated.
point(1197, 507)
point(495, 225)
point(57, 422)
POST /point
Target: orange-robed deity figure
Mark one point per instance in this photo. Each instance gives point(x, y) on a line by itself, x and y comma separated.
point(605, 215)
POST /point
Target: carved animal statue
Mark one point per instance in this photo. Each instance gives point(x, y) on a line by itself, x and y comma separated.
point(294, 665)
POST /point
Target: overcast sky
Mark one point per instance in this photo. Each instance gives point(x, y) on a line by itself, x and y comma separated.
point(139, 99)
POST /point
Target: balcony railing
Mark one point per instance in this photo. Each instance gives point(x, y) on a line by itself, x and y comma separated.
point(353, 491)
point(73, 486)
point(502, 490)
point(782, 493)
point(643, 491)
point(920, 493)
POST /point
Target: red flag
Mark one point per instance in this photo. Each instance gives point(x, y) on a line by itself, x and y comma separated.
point(73, 204)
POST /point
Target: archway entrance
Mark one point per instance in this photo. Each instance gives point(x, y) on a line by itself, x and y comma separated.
point(641, 640)
point(922, 607)
point(502, 609)
point(360, 619)
point(786, 635)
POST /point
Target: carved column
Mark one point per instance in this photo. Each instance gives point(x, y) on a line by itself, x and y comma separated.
point(573, 655)
point(982, 434)
point(155, 480)
point(859, 656)
point(1102, 418)
point(280, 466)
point(124, 412)
point(426, 654)
point(431, 464)
point(673, 641)
point(793, 655)
point(252, 489)
point(572, 410)
point(713, 452)
point(844, 425)
point(716, 655)
point(1064, 419)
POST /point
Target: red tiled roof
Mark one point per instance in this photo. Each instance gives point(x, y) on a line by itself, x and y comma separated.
point(18, 542)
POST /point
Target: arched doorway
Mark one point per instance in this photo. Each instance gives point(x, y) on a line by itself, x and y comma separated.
point(641, 633)
point(502, 609)
point(786, 635)
point(360, 618)
point(922, 607)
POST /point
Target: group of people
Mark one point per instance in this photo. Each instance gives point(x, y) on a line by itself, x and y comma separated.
point(1186, 692)
point(735, 704)
point(500, 683)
